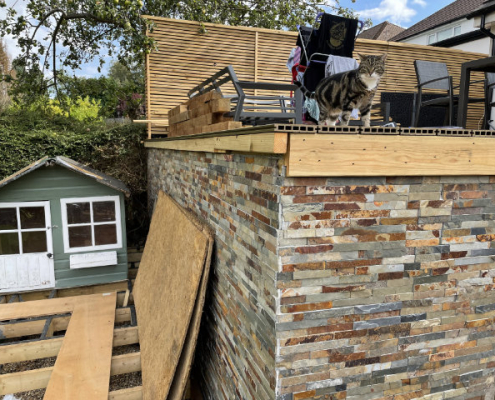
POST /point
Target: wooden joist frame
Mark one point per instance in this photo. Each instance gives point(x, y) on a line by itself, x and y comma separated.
point(87, 320)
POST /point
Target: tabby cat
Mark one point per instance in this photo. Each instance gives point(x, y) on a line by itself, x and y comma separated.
point(341, 93)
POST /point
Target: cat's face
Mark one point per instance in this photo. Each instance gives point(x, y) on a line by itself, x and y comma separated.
point(372, 66)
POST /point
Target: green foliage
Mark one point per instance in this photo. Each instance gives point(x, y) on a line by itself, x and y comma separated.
point(27, 135)
point(81, 109)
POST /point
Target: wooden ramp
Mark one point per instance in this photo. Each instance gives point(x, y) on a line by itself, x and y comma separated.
point(82, 369)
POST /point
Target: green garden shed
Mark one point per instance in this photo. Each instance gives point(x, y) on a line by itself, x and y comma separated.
point(62, 225)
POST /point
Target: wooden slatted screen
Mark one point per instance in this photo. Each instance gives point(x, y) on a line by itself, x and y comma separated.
point(185, 57)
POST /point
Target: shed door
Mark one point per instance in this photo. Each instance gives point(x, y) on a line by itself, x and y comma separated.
point(26, 247)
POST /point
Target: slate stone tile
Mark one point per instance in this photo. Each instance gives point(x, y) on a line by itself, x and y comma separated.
point(412, 317)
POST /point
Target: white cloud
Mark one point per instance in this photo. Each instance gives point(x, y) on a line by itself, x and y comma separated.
point(395, 11)
point(421, 3)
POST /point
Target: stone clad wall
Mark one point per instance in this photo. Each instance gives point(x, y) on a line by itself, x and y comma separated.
point(340, 288)
point(239, 197)
point(387, 289)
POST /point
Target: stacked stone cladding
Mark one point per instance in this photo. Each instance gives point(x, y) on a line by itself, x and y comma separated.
point(340, 288)
point(238, 196)
point(387, 289)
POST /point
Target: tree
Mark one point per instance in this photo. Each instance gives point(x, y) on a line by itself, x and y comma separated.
point(60, 34)
point(132, 75)
point(5, 70)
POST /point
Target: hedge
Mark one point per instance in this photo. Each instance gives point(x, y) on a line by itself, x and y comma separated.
point(115, 150)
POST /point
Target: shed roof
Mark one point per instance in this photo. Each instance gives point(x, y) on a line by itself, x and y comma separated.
point(71, 165)
point(454, 11)
point(383, 31)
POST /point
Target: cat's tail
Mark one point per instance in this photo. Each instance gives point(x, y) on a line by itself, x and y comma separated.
point(305, 91)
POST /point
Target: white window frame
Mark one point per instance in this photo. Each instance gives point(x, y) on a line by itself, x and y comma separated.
point(91, 200)
point(19, 230)
point(435, 35)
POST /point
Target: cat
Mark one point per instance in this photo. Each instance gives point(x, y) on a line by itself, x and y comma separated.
point(341, 93)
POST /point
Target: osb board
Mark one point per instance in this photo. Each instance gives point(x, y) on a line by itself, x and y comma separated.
point(165, 292)
point(386, 155)
point(186, 359)
point(82, 368)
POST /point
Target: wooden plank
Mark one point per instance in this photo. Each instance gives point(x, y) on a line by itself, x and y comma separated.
point(30, 350)
point(268, 143)
point(222, 126)
point(17, 382)
point(82, 369)
point(368, 155)
point(26, 380)
point(126, 363)
point(183, 116)
point(49, 348)
point(37, 308)
point(213, 107)
point(134, 393)
point(28, 328)
point(164, 315)
point(125, 336)
point(148, 90)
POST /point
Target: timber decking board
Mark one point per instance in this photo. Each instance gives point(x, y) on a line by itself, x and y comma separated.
point(387, 155)
point(82, 368)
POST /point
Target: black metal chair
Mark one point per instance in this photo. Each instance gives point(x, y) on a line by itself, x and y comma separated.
point(435, 76)
point(489, 101)
point(273, 105)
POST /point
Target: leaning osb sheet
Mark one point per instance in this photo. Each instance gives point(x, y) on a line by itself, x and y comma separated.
point(186, 359)
point(165, 292)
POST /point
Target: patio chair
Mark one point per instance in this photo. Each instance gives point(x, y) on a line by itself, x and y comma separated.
point(489, 101)
point(273, 104)
point(435, 76)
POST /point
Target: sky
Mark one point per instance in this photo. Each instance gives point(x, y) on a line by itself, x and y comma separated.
point(400, 12)
point(404, 13)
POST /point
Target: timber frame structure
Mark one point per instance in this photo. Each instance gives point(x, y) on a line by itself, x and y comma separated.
point(90, 335)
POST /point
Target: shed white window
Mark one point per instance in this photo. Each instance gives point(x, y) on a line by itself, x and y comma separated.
point(91, 223)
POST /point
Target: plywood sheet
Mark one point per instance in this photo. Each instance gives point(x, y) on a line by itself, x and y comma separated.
point(165, 292)
point(386, 155)
point(183, 370)
point(82, 369)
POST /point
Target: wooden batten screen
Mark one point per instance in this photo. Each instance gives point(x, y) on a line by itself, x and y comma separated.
point(185, 57)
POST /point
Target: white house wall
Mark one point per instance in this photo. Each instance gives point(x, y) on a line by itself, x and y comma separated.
point(478, 46)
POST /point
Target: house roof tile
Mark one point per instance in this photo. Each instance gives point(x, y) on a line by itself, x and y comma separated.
point(454, 11)
point(383, 31)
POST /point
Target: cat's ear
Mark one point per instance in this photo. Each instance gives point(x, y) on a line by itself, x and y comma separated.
point(362, 57)
point(384, 57)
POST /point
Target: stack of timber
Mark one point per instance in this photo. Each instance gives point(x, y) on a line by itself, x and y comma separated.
point(201, 114)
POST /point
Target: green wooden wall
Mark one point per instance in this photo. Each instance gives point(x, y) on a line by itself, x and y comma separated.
point(52, 183)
